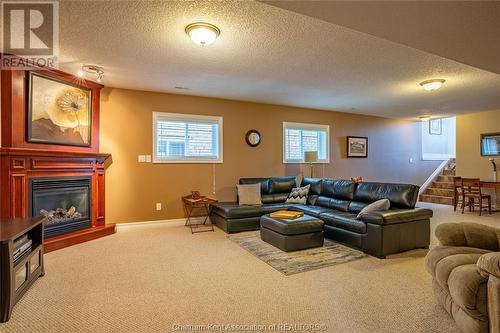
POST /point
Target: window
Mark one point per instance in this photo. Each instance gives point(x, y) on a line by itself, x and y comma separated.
point(182, 138)
point(299, 138)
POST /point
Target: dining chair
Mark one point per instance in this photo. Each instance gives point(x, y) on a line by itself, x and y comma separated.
point(471, 189)
point(458, 194)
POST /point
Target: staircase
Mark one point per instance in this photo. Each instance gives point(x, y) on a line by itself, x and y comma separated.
point(441, 189)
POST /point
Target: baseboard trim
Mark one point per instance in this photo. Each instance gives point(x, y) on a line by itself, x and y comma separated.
point(129, 225)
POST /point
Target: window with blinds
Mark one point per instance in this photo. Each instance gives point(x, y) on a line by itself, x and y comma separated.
point(299, 138)
point(180, 138)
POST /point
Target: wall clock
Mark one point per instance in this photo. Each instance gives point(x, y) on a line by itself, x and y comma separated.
point(253, 138)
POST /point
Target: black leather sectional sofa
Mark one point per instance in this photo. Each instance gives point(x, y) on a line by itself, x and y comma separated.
point(337, 202)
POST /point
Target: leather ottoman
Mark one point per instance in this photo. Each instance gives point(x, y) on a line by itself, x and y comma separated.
point(291, 235)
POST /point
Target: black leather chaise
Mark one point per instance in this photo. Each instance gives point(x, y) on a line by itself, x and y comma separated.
point(337, 202)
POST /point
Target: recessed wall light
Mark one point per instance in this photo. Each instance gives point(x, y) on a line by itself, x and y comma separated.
point(202, 33)
point(431, 85)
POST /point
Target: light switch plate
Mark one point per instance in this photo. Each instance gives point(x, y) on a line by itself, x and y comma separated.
point(141, 158)
point(148, 158)
point(158, 206)
point(411, 160)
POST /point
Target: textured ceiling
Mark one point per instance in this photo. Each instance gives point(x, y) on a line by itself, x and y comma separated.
point(265, 54)
point(465, 31)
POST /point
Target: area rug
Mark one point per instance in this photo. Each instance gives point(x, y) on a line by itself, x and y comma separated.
point(290, 263)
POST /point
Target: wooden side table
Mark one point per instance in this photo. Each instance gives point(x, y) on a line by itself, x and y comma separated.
point(198, 208)
point(17, 275)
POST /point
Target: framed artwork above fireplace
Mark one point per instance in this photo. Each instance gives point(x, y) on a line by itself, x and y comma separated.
point(58, 112)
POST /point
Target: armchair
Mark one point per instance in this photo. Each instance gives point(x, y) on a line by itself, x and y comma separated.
point(465, 271)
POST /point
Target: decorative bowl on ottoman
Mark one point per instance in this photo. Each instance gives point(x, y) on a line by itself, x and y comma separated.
point(292, 234)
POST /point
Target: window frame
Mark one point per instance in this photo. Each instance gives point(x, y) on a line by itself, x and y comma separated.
point(188, 118)
point(306, 126)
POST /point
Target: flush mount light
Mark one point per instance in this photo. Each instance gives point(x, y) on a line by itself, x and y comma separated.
point(202, 33)
point(433, 84)
point(95, 70)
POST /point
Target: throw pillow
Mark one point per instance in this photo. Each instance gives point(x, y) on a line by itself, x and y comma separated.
point(299, 195)
point(249, 194)
point(382, 204)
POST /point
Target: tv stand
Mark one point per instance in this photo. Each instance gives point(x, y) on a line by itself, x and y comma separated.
point(17, 276)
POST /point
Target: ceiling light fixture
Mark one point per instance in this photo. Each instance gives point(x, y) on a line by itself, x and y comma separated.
point(95, 70)
point(202, 33)
point(431, 85)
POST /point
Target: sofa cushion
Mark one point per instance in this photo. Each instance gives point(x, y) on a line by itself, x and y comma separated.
point(357, 206)
point(338, 188)
point(274, 198)
point(469, 234)
point(315, 185)
point(234, 210)
point(400, 195)
point(310, 210)
point(333, 203)
point(440, 252)
point(344, 220)
point(249, 194)
point(468, 289)
point(298, 195)
point(274, 207)
point(315, 189)
point(379, 205)
point(445, 266)
point(264, 183)
point(281, 184)
point(394, 216)
point(465, 322)
point(301, 225)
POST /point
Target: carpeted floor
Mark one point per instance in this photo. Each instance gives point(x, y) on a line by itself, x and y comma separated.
point(154, 278)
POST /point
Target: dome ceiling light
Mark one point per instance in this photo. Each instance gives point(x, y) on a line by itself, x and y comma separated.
point(202, 33)
point(94, 70)
point(431, 85)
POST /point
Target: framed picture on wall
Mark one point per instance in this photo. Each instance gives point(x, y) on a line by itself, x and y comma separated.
point(357, 146)
point(435, 127)
point(490, 144)
point(58, 112)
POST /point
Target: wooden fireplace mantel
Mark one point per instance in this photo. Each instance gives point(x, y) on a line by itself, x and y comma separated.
point(19, 165)
point(21, 161)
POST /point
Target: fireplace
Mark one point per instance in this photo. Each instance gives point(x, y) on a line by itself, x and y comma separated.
point(64, 201)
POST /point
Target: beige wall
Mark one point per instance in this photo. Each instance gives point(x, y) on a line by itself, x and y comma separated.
point(133, 188)
point(470, 163)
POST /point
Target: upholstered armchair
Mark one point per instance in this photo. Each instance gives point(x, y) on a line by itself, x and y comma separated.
point(465, 271)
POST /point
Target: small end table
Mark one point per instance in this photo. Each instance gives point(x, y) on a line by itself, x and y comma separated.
point(198, 208)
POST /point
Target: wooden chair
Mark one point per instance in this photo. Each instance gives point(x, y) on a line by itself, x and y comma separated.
point(471, 188)
point(458, 194)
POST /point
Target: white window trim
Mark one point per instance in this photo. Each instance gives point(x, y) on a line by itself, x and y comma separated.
point(314, 127)
point(189, 117)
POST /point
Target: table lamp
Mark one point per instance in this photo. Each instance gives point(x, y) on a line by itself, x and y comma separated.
point(311, 157)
